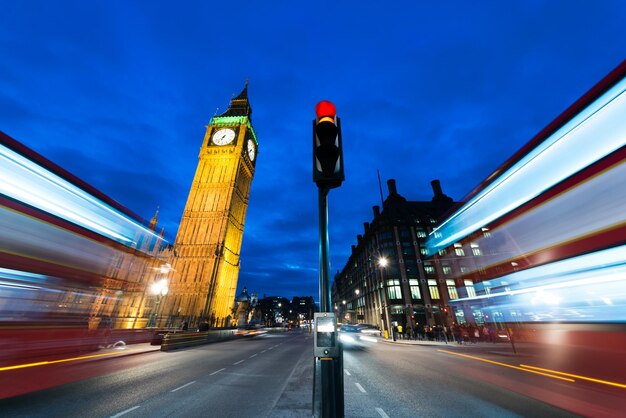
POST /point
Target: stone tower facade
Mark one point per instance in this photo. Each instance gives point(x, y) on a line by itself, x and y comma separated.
point(208, 243)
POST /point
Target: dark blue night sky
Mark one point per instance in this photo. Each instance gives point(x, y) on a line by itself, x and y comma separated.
point(119, 92)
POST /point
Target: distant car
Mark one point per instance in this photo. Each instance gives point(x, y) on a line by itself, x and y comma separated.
point(349, 335)
point(353, 336)
point(350, 328)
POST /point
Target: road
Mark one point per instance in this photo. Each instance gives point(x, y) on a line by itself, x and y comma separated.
point(238, 378)
point(271, 376)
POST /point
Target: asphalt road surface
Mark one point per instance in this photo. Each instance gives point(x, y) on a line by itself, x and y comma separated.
point(271, 376)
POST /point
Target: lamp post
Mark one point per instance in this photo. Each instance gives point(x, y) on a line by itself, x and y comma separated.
point(382, 263)
point(356, 306)
point(159, 289)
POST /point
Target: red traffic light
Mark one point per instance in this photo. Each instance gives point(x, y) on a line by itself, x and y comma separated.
point(325, 108)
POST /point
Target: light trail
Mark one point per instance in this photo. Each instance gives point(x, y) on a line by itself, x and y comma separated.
point(45, 363)
point(507, 365)
point(590, 379)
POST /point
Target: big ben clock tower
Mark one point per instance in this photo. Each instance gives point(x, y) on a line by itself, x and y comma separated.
point(208, 242)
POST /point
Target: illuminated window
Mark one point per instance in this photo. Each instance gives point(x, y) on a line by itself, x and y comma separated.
point(486, 232)
point(458, 249)
point(397, 310)
point(393, 289)
point(475, 249)
point(433, 289)
point(423, 251)
point(469, 286)
point(415, 289)
point(429, 269)
point(447, 269)
point(442, 252)
point(464, 269)
point(421, 233)
point(452, 289)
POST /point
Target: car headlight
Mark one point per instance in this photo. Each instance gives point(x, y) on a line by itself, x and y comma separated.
point(369, 339)
point(346, 338)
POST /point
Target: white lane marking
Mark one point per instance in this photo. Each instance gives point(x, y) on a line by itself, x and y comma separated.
point(347, 372)
point(360, 387)
point(263, 351)
point(217, 371)
point(240, 361)
point(125, 412)
point(183, 386)
point(270, 348)
point(254, 355)
point(382, 413)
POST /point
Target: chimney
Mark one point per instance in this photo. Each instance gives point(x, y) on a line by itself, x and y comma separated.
point(366, 226)
point(436, 185)
point(376, 211)
point(391, 185)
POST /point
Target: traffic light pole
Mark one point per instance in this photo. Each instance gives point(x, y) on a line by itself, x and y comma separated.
point(324, 267)
point(328, 396)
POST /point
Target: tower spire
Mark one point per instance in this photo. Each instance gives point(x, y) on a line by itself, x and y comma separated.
point(154, 220)
point(239, 105)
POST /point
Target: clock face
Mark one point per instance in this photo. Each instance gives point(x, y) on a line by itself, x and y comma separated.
point(223, 136)
point(251, 150)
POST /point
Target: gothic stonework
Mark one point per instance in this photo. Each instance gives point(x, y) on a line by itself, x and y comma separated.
point(208, 242)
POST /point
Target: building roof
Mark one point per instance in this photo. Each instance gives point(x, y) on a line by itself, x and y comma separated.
point(243, 296)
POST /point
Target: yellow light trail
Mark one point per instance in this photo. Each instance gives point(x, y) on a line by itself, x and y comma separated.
point(605, 382)
point(44, 363)
point(507, 365)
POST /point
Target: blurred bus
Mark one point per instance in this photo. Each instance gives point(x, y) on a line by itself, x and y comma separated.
point(74, 264)
point(543, 239)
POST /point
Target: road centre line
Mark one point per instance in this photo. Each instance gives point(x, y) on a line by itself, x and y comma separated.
point(125, 412)
point(506, 365)
point(382, 413)
point(254, 355)
point(347, 372)
point(240, 361)
point(216, 372)
point(360, 387)
point(605, 382)
point(183, 386)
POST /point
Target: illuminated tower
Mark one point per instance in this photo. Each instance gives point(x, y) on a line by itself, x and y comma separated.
point(208, 242)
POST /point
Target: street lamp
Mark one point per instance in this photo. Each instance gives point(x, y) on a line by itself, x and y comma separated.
point(382, 263)
point(159, 289)
point(356, 305)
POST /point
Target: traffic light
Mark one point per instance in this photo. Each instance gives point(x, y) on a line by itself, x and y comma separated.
point(445, 309)
point(327, 151)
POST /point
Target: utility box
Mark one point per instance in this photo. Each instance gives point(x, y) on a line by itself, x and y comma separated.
point(325, 337)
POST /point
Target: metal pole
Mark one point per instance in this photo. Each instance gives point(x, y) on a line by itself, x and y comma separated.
point(323, 250)
point(328, 382)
